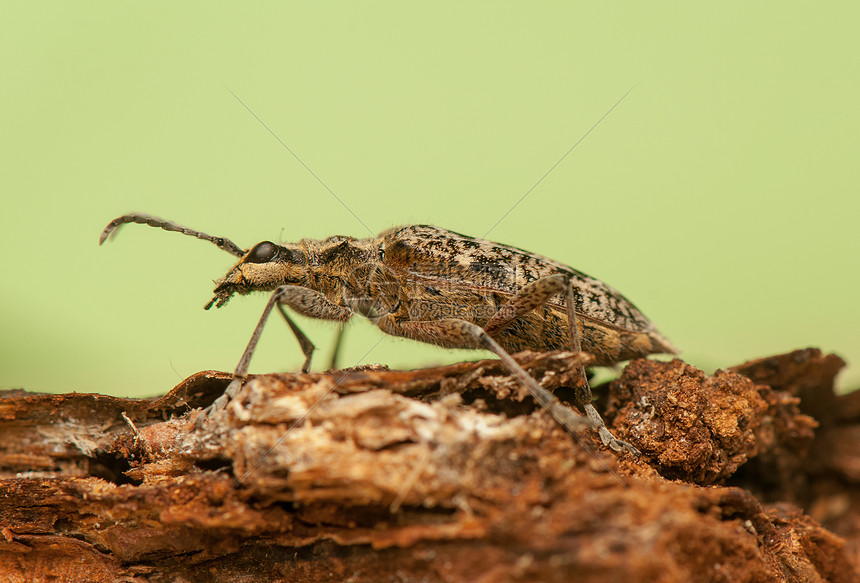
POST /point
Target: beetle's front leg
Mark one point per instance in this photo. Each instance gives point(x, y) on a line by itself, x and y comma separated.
point(304, 301)
point(304, 342)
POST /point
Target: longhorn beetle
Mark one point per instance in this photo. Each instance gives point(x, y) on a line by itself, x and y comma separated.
point(437, 286)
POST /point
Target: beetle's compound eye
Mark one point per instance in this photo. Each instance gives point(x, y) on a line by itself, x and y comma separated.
point(262, 252)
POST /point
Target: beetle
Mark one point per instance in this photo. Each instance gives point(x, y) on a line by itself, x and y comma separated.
point(433, 285)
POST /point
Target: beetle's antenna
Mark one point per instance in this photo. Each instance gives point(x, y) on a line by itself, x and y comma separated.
point(222, 242)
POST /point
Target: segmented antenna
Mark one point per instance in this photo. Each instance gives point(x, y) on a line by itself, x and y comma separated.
point(222, 242)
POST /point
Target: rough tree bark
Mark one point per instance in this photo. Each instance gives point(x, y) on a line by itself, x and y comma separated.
point(441, 474)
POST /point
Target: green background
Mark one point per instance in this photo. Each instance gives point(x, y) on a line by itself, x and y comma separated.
point(720, 194)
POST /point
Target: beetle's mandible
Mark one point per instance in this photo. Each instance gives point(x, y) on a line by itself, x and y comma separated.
point(433, 285)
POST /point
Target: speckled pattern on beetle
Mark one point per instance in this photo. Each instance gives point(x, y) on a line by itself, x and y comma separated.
point(433, 285)
point(422, 272)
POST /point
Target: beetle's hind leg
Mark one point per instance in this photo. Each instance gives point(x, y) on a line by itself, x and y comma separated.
point(457, 332)
point(534, 295)
point(593, 416)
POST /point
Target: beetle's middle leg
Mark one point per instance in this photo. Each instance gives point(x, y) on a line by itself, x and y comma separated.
point(335, 351)
point(304, 301)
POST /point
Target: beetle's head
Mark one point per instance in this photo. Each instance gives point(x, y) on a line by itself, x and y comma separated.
point(264, 267)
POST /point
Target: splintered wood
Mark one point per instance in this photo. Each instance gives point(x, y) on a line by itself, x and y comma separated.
point(441, 474)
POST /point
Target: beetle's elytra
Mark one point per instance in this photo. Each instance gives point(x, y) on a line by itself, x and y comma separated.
point(430, 284)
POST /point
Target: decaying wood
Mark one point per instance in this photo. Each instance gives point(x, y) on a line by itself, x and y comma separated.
point(441, 474)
